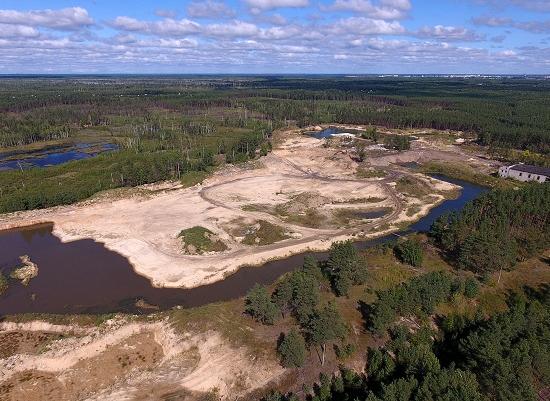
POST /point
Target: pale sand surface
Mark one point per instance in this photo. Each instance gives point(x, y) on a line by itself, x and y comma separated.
point(144, 227)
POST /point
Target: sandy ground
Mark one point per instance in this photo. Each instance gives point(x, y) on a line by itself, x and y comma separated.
point(144, 228)
point(124, 360)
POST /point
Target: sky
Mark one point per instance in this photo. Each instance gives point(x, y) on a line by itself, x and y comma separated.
point(275, 36)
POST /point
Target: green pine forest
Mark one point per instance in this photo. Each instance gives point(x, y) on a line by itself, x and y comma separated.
point(181, 127)
point(436, 330)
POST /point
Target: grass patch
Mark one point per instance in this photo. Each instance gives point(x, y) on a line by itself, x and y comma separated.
point(411, 211)
point(413, 187)
point(255, 207)
point(265, 234)
point(370, 173)
point(193, 178)
point(3, 283)
point(76, 319)
point(311, 218)
point(467, 173)
point(199, 239)
point(371, 199)
point(228, 319)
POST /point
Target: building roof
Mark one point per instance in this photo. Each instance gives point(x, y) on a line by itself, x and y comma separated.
point(531, 169)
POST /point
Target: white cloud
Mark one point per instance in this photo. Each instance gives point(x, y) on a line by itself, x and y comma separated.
point(507, 53)
point(209, 9)
point(19, 31)
point(533, 5)
point(263, 42)
point(233, 29)
point(400, 4)
point(261, 5)
point(449, 33)
point(63, 19)
point(366, 26)
point(529, 26)
point(166, 26)
point(388, 9)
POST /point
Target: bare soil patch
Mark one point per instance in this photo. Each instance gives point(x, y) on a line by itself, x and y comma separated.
point(298, 189)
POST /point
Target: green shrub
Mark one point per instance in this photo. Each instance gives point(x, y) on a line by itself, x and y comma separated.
point(292, 350)
point(410, 252)
point(3, 283)
point(471, 287)
point(259, 305)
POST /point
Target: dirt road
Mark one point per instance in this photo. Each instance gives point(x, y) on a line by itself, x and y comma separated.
point(144, 228)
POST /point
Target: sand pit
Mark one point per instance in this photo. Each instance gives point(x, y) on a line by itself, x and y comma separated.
point(145, 227)
point(126, 360)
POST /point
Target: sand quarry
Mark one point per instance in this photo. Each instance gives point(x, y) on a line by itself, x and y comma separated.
point(313, 193)
point(311, 190)
point(124, 360)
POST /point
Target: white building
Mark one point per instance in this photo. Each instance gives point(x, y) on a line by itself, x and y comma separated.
point(523, 172)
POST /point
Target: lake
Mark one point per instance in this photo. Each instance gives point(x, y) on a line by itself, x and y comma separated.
point(52, 155)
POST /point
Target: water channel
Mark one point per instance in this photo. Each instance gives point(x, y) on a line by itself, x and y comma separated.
point(85, 277)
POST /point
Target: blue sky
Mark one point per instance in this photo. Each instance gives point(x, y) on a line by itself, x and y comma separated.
point(275, 36)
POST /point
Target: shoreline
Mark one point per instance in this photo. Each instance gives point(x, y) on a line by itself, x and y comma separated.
point(142, 225)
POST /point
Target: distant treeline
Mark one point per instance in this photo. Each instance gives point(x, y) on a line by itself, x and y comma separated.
point(504, 113)
point(498, 229)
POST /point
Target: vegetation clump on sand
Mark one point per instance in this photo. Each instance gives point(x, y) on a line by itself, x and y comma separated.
point(264, 233)
point(370, 173)
point(3, 283)
point(26, 271)
point(413, 187)
point(198, 240)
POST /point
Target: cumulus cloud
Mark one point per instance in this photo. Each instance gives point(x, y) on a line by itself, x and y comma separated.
point(63, 19)
point(18, 31)
point(373, 38)
point(233, 29)
point(529, 26)
point(385, 9)
point(167, 26)
point(366, 26)
point(262, 5)
point(449, 33)
point(533, 5)
point(209, 9)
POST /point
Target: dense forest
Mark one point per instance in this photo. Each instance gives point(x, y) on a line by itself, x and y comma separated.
point(421, 354)
point(160, 134)
point(497, 230)
point(170, 127)
point(503, 112)
point(501, 358)
point(427, 346)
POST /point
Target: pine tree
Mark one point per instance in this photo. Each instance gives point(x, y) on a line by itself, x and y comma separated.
point(292, 350)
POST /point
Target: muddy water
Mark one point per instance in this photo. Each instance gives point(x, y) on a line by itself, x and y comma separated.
point(85, 277)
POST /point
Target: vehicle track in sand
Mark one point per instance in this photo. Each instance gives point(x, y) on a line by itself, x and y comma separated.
point(206, 193)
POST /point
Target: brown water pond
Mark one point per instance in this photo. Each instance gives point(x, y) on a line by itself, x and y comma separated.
point(85, 277)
